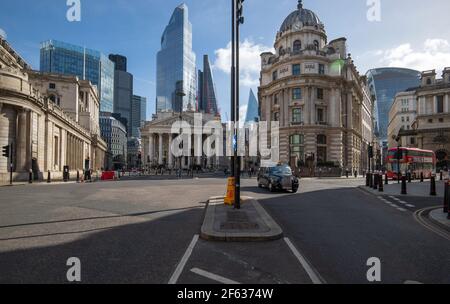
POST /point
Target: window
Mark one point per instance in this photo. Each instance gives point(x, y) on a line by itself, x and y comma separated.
point(316, 44)
point(281, 51)
point(275, 99)
point(297, 94)
point(52, 86)
point(297, 46)
point(297, 148)
point(297, 115)
point(320, 115)
point(321, 139)
point(276, 116)
point(321, 155)
point(319, 93)
point(413, 140)
point(403, 119)
point(321, 69)
point(296, 69)
point(440, 104)
point(428, 81)
point(275, 75)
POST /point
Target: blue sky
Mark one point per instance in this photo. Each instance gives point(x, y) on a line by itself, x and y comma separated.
point(411, 33)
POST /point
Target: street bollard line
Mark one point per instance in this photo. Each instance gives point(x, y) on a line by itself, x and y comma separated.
point(186, 256)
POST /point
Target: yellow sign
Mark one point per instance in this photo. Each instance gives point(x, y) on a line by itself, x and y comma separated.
point(229, 198)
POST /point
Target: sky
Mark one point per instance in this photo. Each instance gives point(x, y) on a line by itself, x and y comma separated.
point(408, 33)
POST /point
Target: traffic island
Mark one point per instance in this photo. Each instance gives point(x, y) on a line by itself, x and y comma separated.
point(251, 223)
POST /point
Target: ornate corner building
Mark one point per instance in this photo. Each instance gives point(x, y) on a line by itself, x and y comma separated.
point(51, 121)
point(313, 89)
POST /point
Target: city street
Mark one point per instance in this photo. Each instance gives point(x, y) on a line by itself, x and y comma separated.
point(146, 231)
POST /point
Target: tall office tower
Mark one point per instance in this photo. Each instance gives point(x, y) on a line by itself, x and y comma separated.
point(138, 115)
point(176, 64)
point(384, 84)
point(123, 89)
point(67, 59)
point(207, 98)
point(252, 109)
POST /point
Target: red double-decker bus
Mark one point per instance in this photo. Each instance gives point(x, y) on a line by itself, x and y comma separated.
point(412, 160)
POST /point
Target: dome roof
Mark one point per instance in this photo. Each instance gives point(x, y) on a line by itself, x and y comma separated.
point(299, 18)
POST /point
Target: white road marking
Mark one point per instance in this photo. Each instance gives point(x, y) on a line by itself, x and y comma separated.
point(412, 283)
point(410, 206)
point(214, 277)
point(313, 275)
point(401, 209)
point(186, 256)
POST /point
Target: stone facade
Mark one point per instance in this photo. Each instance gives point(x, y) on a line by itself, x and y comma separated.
point(45, 137)
point(320, 100)
point(427, 110)
point(158, 136)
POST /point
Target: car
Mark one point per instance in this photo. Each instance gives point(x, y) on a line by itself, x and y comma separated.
point(278, 178)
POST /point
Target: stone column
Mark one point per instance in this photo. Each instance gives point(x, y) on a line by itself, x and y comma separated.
point(22, 142)
point(160, 156)
point(170, 152)
point(151, 147)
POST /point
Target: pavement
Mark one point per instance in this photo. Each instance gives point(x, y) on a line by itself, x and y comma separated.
point(439, 216)
point(250, 223)
point(415, 188)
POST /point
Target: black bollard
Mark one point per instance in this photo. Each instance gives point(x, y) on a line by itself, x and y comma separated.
point(30, 177)
point(441, 176)
point(380, 183)
point(78, 176)
point(433, 186)
point(409, 177)
point(367, 180)
point(48, 177)
point(421, 177)
point(370, 180)
point(375, 181)
point(386, 180)
point(446, 197)
point(404, 190)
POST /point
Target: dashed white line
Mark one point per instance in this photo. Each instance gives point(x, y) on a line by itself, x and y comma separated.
point(180, 267)
point(313, 275)
point(214, 277)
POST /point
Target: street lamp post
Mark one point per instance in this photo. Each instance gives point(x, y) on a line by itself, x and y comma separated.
point(237, 19)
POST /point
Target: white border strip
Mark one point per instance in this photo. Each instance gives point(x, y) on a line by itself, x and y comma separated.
point(313, 275)
point(186, 256)
point(214, 277)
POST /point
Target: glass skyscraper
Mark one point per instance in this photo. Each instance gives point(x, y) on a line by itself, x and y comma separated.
point(138, 115)
point(384, 84)
point(123, 89)
point(67, 59)
point(252, 109)
point(176, 64)
point(207, 98)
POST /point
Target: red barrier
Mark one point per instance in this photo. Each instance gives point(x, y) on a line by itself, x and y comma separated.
point(108, 175)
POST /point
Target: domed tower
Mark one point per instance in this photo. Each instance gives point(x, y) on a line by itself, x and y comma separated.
point(301, 30)
point(312, 88)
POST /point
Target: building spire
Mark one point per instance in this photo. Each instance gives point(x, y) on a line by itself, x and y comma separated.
point(300, 4)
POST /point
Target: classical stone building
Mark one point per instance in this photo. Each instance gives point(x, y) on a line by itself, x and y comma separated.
point(312, 87)
point(421, 116)
point(51, 121)
point(158, 136)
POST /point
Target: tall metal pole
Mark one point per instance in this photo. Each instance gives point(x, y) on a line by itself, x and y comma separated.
point(237, 104)
point(233, 80)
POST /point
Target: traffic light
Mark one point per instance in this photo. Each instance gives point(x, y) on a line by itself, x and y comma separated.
point(6, 151)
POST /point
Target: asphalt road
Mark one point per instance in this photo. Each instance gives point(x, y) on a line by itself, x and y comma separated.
point(139, 231)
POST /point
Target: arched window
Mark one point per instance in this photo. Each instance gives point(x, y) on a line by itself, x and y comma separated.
point(316, 44)
point(428, 81)
point(297, 46)
point(281, 51)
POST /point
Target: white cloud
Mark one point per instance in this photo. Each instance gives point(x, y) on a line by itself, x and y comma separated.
point(3, 33)
point(250, 61)
point(434, 54)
